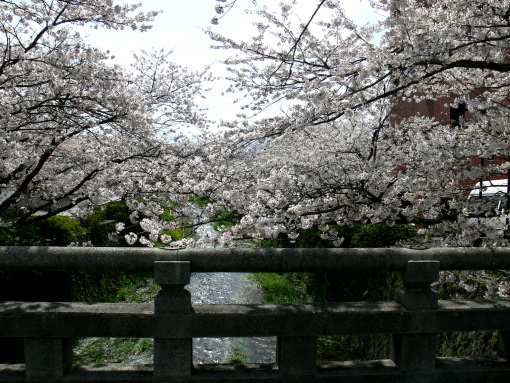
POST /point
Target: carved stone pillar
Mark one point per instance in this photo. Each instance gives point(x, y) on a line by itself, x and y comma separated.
point(172, 357)
point(416, 352)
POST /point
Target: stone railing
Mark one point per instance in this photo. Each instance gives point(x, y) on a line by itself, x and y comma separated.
point(413, 319)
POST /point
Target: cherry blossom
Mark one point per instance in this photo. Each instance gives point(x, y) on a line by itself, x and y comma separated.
point(222, 9)
point(320, 144)
point(76, 130)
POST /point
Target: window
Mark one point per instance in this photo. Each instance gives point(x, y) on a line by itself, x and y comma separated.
point(456, 114)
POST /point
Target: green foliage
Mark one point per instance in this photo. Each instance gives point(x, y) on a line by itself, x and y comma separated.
point(462, 344)
point(283, 288)
point(357, 235)
point(353, 286)
point(339, 287)
point(14, 235)
point(96, 287)
point(309, 238)
point(177, 234)
point(61, 230)
point(55, 231)
point(334, 348)
point(225, 218)
point(200, 201)
point(101, 223)
point(237, 357)
point(111, 350)
point(167, 216)
point(379, 235)
point(137, 287)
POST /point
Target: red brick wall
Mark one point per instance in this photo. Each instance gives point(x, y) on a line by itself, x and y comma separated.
point(438, 109)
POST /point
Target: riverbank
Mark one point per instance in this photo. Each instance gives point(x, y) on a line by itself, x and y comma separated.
point(205, 288)
point(352, 287)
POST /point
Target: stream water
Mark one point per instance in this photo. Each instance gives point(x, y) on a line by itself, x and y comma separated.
point(220, 288)
point(225, 288)
point(228, 288)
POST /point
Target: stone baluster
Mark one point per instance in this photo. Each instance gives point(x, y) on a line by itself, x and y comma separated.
point(416, 352)
point(48, 358)
point(172, 356)
point(297, 355)
point(504, 344)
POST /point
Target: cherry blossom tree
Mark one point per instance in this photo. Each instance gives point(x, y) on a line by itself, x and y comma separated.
point(329, 149)
point(221, 9)
point(74, 128)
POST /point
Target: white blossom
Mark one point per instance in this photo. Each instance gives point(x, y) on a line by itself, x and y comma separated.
point(119, 226)
point(333, 152)
point(146, 242)
point(165, 238)
point(75, 130)
point(131, 238)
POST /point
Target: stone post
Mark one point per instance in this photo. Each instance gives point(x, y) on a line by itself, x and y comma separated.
point(172, 357)
point(49, 358)
point(504, 344)
point(416, 352)
point(297, 355)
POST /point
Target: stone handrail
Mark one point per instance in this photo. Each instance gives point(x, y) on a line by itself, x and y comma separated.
point(248, 260)
point(413, 319)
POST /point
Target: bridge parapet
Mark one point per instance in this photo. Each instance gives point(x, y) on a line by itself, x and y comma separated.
point(413, 319)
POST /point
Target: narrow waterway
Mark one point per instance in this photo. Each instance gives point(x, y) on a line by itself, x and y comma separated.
point(226, 288)
point(206, 288)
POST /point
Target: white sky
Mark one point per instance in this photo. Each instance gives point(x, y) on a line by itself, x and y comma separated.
point(180, 28)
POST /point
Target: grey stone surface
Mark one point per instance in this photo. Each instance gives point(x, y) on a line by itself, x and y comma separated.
point(416, 293)
point(171, 300)
point(172, 357)
point(69, 320)
point(504, 344)
point(448, 370)
point(173, 323)
point(172, 272)
point(414, 352)
point(249, 260)
point(417, 352)
point(47, 357)
point(415, 299)
point(421, 272)
point(297, 356)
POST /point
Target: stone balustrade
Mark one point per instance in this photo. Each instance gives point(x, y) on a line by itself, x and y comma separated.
point(413, 319)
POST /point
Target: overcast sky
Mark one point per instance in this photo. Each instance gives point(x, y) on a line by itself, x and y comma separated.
point(180, 28)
